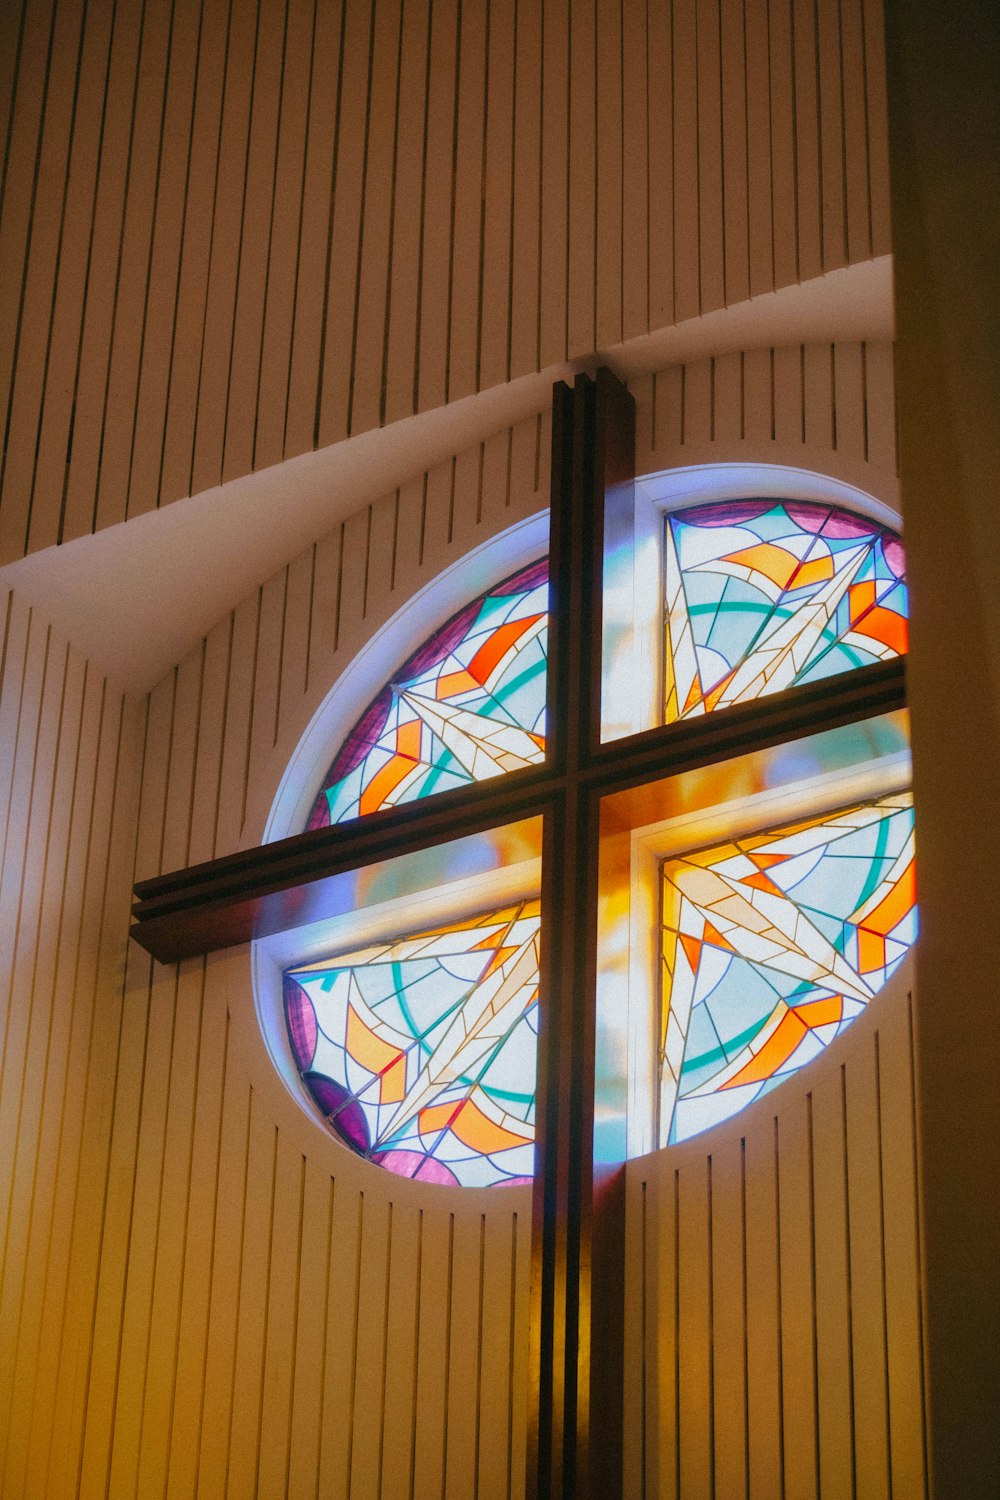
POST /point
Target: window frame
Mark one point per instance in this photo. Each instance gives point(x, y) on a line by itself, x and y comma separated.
point(651, 499)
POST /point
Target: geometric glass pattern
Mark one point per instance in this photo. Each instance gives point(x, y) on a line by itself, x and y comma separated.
point(420, 1051)
point(772, 944)
point(762, 595)
point(468, 704)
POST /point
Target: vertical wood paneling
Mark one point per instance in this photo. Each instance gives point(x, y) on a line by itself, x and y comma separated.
point(683, 99)
point(833, 164)
point(880, 405)
point(799, 1399)
point(246, 1413)
point(808, 174)
point(662, 1260)
point(712, 291)
point(373, 309)
point(189, 28)
point(866, 1251)
point(187, 1332)
point(57, 1463)
point(734, 147)
point(660, 177)
point(45, 1265)
point(226, 1318)
point(237, 233)
point(493, 1456)
point(729, 1321)
point(24, 124)
point(212, 1433)
point(41, 268)
point(608, 248)
point(187, 1376)
point(32, 1020)
point(403, 309)
point(857, 197)
point(112, 461)
point(877, 123)
point(281, 1328)
point(310, 1333)
point(783, 142)
point(464, 1355)
point(582, 175)
point(760, 223)
point(104, 250)
point(172, 439)
point(834, 1334)
point(431, 374)
point(902, 1260)
point(494, 313)
point(694, 1293)
point(776, 1288)
point(758, 397)
point(223, 257)
point(636, 248)
point(527, 206)
point(341, 1336)
point(255, 234)
point(465, 290)
point(401, 1350)
point(763, 1271)
point(70, 800)
point(431, 1344)
point(286, 211)
point(319, 187)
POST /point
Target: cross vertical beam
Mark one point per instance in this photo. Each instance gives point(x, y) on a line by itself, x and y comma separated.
point(576, 1380)
point(576, 1355)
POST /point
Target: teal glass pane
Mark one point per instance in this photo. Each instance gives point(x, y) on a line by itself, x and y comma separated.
point(469, 704)
point(420, 1052)
point(762, 595)
point(772, 945)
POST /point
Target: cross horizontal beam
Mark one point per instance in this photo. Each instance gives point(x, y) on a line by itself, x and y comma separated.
point(254, 893)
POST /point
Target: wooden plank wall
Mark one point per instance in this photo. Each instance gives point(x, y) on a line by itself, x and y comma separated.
point(232, 233)
point(774, 1343)
point(827, 407)
point(199, 1290)
point(250, 1310)
point(70, 763)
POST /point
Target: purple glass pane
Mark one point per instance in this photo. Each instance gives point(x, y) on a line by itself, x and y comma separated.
point(416, 1164)
point(342, 1110)
point(301, 1024)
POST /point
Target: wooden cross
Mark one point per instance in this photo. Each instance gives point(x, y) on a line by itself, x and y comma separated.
point(578, 1235)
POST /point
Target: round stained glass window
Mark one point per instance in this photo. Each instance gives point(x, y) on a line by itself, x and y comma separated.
point(419, 1049)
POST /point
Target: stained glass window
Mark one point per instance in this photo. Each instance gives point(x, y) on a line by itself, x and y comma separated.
point(772, 944)
point(420, 1052)
point(469, 704)
point(762, 595)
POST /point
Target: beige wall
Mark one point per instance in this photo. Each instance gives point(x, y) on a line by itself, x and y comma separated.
point(70, 762)
point(226, 242)
point(775, 1341)
point(244, 1300)
point(248, 234)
